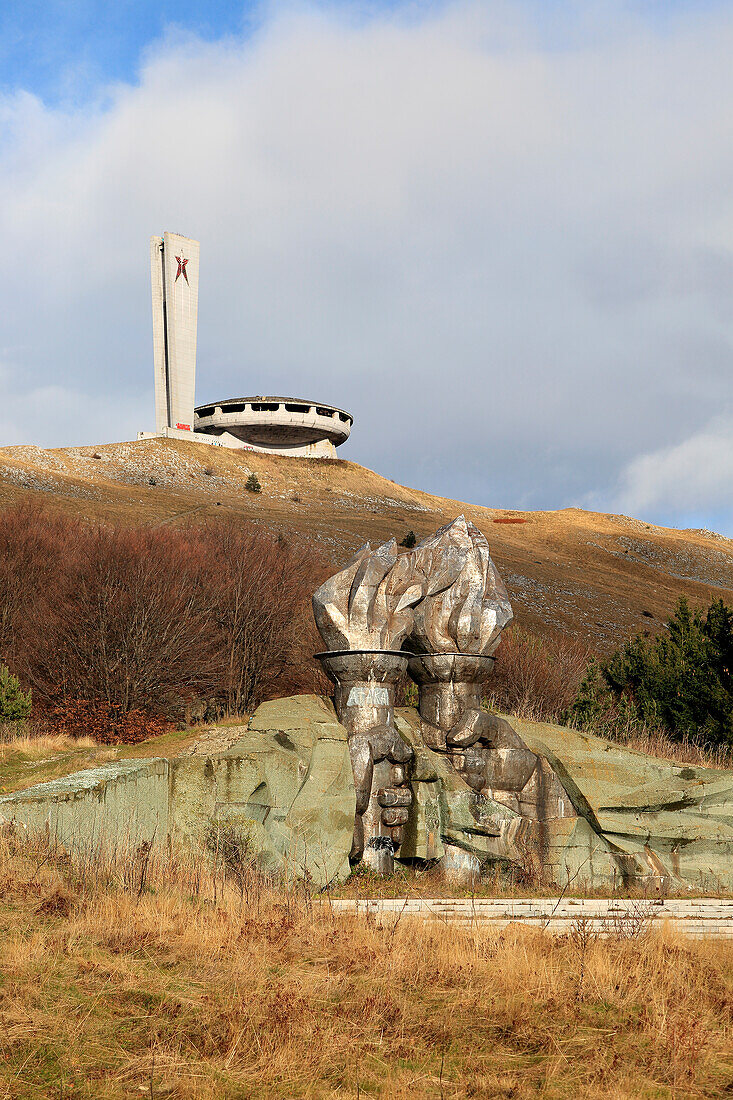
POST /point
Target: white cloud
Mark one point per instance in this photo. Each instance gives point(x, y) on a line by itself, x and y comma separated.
point(691, 477)
point(511, 263)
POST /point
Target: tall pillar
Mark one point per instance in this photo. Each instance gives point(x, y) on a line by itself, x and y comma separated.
point(174, 271)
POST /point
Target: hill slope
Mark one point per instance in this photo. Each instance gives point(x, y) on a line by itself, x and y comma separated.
point(598, 577)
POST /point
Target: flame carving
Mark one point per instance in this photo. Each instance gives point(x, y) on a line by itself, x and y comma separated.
point(444, 596)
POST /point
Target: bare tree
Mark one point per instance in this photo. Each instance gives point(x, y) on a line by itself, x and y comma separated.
point(148, 620)
point(537, 678)
point(260, 588)
point(129, 623)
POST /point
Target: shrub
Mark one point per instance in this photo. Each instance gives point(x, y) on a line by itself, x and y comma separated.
point(409, 540)
point(112, 627)
point(33, 547)
point(681, 681)
point(537, 678)
point(15, 704)
point(253, 484)
point(105, 723)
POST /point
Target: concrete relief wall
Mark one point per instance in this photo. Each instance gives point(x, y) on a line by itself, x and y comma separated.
point(118, 804)
point(287, 787)
point(288, 794)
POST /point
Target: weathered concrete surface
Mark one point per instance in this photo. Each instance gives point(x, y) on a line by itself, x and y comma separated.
point(298, 799)
point(446, 811)
point(280, 425)
point(120, 804)
point(286, 785)
point(643, 817)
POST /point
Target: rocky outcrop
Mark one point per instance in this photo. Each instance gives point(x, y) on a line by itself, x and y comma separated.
point(639, 818)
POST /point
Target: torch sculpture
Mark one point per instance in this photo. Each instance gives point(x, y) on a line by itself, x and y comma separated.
point(437, 612)
point(363, 615)
point(456, 630)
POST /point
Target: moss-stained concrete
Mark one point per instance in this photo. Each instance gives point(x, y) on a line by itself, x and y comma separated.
point(287, 785)
point(446, 811)
point(122, 803)
point(642, 817)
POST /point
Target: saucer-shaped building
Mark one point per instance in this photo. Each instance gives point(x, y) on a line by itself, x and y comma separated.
point(277, 425)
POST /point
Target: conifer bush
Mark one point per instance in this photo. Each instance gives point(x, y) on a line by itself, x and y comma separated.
point(681, 680)
point(15, 704)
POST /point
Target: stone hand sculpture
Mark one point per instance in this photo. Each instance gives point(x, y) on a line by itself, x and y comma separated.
point(363, 614)
point(379, 753)
point(438, 611)
point(489, 754)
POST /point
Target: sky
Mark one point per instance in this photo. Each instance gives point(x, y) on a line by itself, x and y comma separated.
point(500, 234)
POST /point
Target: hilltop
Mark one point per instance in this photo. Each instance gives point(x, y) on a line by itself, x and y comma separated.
point(594, 576)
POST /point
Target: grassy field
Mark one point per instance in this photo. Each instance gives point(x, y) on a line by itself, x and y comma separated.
point(170, 981)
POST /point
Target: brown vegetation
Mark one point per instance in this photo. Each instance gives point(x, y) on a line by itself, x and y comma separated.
point(655, 741)
point(116, 628)
point(103, 723)
point(537, 678)
point(129, 978)
point(595, 577)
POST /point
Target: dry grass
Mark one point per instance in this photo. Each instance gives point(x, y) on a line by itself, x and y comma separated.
point(630, 733)
point(35, 747)
point(656, 743)
point(31, 756)
point(28, 759)
point(567, 570)
point(170, 982)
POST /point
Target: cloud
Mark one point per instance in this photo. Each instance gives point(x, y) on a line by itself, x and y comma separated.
point(692, 478)
point(508, 254)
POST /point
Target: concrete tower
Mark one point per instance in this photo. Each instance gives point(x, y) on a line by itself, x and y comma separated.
point(174, 270)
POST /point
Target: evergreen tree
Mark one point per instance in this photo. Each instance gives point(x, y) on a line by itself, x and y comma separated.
point(15, 703)
point(682, 679)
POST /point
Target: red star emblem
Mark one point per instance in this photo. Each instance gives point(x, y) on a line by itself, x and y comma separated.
point(181, 269)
